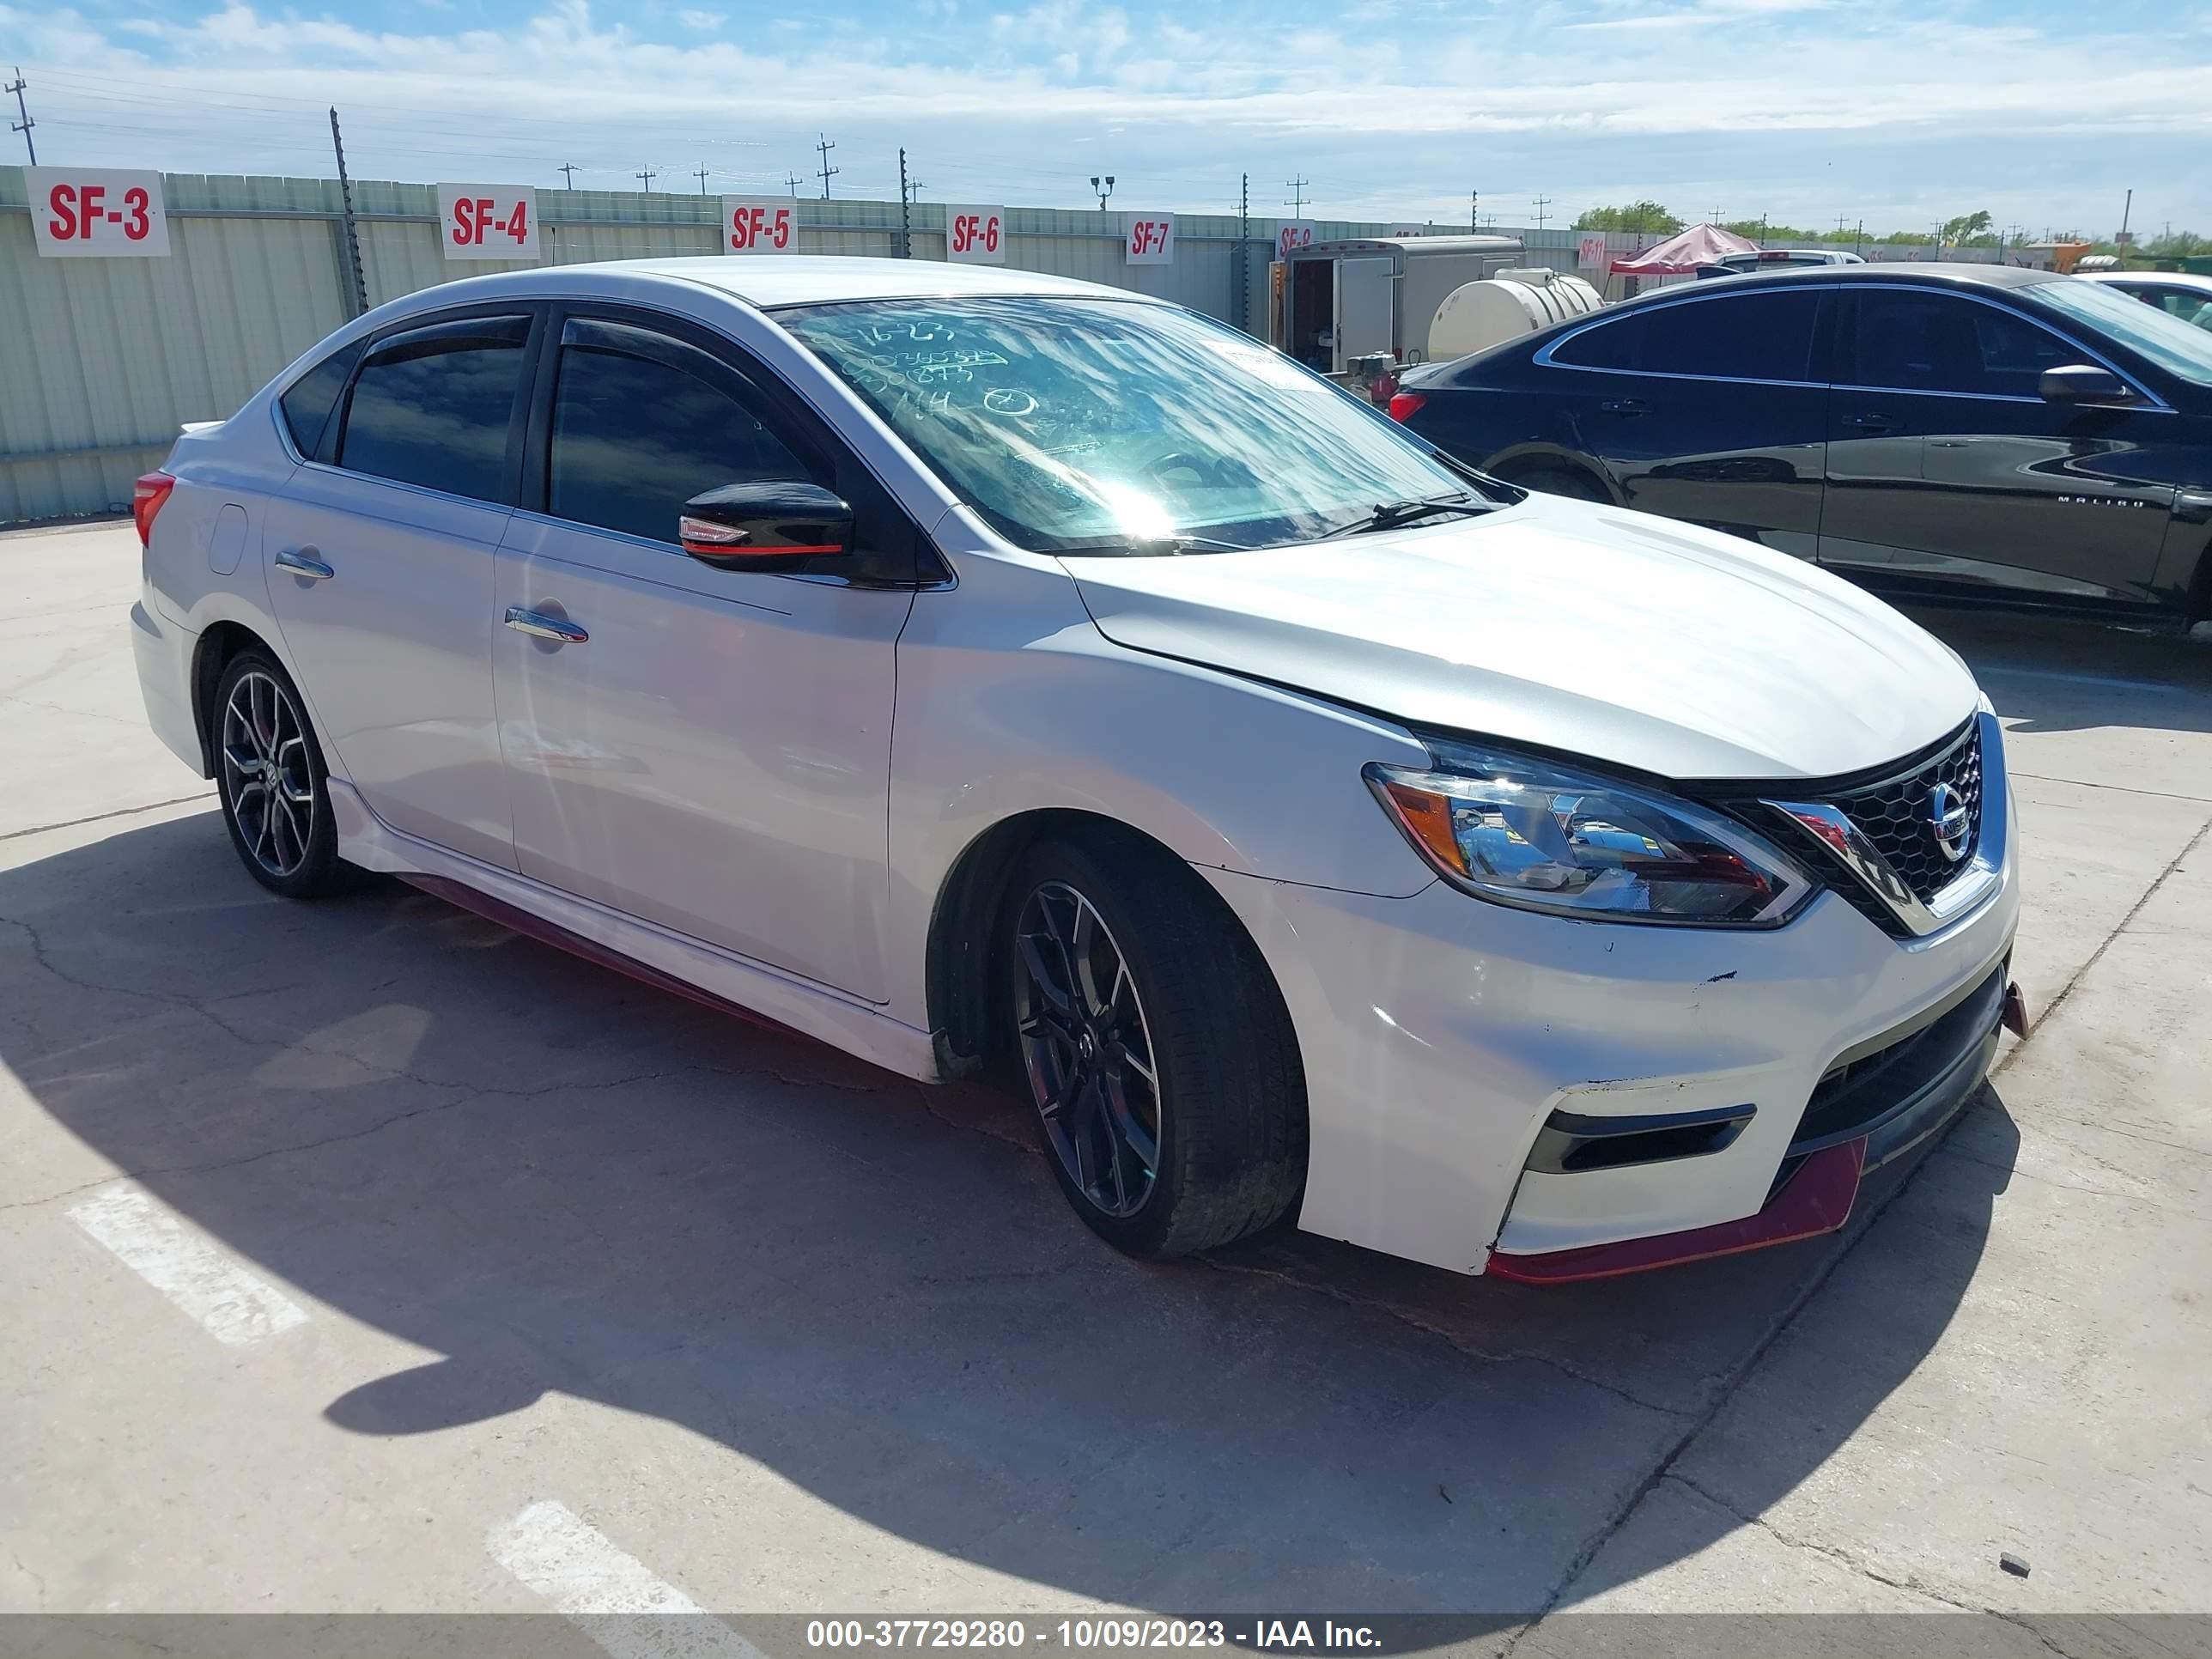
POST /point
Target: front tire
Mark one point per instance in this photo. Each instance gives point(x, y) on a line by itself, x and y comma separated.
point(273, 785)
point(1155, 1047)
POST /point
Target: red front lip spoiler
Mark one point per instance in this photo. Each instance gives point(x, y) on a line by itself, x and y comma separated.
point(1817, 1199)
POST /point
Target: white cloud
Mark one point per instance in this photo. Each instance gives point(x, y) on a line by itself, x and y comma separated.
point(702, 20)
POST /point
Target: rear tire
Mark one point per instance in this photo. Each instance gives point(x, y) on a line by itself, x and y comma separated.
point(1118, 961)
point(1561, 481)
point(274, 787)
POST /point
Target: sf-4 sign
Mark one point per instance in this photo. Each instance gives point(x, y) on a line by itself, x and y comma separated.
point(759, 224)
point(488, 222)
point(975, 235)
point(79, 213)
point(1148, 239)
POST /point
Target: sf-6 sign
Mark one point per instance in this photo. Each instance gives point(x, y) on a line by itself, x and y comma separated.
point(1148, 239)
point(96, 212)
point(975, 235)
point(759, 224)
point(488, 222)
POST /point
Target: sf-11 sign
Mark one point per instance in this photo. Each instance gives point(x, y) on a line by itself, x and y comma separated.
point(1148, 239)
point(79, 213)
point(488, 222)
point(975, 235)
point(759, 224)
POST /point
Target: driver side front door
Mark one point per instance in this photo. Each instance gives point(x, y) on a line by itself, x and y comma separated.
point(710, 749)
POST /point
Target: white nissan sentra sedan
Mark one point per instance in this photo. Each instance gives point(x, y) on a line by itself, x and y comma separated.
point(982, 671)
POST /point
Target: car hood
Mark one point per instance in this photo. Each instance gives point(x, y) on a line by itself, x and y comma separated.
point(1582, 628)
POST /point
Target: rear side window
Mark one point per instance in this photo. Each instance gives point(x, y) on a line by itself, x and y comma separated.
point(306, 407)
point(642, 423)
point(1743, 336)
point(434, 407)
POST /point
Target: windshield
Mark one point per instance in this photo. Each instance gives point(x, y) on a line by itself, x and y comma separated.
point(2150, 331)
point(1117, 426)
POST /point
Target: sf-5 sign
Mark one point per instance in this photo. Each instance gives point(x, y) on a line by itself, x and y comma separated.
point(975, 235)
point(488, 222)
point(79, 213)
point(759, 224)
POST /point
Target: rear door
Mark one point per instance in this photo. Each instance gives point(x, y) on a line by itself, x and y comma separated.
point(1366, 290)
point(1709, 407)
point(380, 572)
point(1947, 468)
point(712, 752)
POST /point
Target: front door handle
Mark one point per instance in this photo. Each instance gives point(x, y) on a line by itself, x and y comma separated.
point(1625, 406)
point(304, 561)
point(539, 626)
point(1873, 422)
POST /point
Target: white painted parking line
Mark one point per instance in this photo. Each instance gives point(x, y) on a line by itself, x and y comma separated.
point(236, 1306)
point(606, 1593)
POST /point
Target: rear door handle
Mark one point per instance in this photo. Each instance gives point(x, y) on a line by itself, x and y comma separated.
point(1871, 421)
point(304, 561)
point(539, 626)
point(1625, 406)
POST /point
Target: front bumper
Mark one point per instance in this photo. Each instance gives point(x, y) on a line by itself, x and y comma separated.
point(1441, 1035)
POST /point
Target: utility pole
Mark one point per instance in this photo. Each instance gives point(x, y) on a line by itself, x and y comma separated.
point(828, 172)
point(1103, 194)
point(2127, 210)
point(352, 230)
point(568, 171)
point(24, 126)
point(648, 175)
point(906, 225)
point(1541, 203)
point(701, 175)
point(791, 179)
point(1244, 252)
point(1296, 199)
point(1475, 209)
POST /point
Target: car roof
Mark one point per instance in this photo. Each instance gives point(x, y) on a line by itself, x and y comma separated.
point(2187, 279)
point(788, 279)
point(1931, 274)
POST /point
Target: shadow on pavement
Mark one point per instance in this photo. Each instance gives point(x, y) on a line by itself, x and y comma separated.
point(563, 1181)
point(2052, 673)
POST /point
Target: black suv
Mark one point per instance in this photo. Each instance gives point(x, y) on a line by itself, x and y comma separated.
point(1953, 432)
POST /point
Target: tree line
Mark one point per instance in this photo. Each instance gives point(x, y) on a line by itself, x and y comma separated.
point(1976, 229)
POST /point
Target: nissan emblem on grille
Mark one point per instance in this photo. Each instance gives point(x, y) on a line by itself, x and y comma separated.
point(1952, 823)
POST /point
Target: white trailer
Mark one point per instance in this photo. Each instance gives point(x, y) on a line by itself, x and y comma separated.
point(1354, 297)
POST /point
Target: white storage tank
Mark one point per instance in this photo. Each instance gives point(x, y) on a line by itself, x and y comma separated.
point(1477, 315)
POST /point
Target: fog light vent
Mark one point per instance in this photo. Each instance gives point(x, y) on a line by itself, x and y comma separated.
point(1571, 1142)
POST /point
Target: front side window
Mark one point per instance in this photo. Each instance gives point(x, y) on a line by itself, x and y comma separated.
point(1909, 341)
point(1734, 336)
point(1119, 426)
point(434, 407)
point(641, 423)
point(2147, 330)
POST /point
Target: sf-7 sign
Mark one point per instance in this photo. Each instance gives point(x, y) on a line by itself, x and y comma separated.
point(96, 213)
point(1148, 239)
point(488, 222)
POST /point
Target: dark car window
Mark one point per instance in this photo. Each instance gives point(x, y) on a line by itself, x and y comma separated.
point(642, 423)
point(433, 406)
point(1734, 336)
point(1925, 341)
point(307, 404)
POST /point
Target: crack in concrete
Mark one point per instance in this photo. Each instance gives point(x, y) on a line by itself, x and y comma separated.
point(2014, 1169)
point(2118, 788)
point(1017, 1142)
point(102, 817)
point(1450, 1339)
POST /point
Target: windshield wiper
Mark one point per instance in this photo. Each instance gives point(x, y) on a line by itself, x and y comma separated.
point(1388, 515)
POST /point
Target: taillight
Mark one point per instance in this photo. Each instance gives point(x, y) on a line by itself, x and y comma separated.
point(148, 497)
point(1404, 404)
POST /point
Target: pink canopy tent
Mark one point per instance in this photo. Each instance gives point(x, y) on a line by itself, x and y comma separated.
point(1680, 254)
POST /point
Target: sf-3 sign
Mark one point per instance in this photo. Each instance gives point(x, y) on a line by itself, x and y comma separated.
point(79, 213)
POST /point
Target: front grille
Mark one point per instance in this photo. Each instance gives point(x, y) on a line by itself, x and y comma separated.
point(1895, 815)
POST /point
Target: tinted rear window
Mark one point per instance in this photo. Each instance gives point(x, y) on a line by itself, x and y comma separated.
point(306, 407)
point(433, 406)
point(1747, 337)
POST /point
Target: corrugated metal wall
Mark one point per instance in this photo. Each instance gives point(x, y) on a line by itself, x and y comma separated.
point(102, 360)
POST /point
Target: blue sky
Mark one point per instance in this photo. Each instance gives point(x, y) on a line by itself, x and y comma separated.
point(2043, 111)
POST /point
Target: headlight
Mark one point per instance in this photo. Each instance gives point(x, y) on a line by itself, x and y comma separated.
point(1543, 836)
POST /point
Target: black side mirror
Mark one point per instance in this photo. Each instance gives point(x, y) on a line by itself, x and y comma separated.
point(767, 527)
point(2083, 383)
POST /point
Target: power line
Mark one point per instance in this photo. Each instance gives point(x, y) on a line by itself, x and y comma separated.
point(825, 146)
point(24, 126)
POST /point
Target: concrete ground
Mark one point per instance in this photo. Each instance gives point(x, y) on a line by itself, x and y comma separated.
point(364, 1256)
